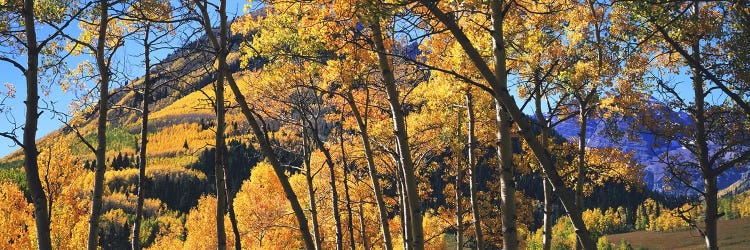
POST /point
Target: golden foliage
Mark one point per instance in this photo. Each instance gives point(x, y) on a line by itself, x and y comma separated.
point(604, 222)
point(170, 234)
point(127, 203)
point(200, 226)
point(744, 207)
point(263, 214)
point(16, 219)
point(653, 216)
point(170, 141)
point(68, 187)
point(434, 230)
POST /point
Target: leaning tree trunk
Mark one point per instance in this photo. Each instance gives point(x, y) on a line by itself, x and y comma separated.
point(30, 150)
point(503, 96)
point(265, 144)
point(267, 150)
point(373, 172)
point(473, 179)
point(101, 129)
point(146, 95)
point(402, 138)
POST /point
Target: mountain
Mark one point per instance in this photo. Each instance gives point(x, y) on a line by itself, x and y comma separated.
point(648, 148)
point(180, 131)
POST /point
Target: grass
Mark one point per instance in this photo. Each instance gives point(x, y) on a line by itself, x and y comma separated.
point(14, 175)
point(11, 171)
point(17, 163)
point(118, 139)
point(733, 234)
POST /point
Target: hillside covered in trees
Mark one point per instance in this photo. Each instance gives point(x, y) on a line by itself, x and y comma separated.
point(372, 124)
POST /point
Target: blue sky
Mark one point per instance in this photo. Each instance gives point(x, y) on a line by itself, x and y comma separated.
point(14, 109)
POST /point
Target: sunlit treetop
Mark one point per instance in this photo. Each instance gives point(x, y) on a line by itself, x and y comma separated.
point(158, 14)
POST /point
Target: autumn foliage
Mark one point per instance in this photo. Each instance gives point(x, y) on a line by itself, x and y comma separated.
point(373, 124)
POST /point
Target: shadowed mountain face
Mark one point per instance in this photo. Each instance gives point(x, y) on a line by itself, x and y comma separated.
point(649, 150)
point(185, 71)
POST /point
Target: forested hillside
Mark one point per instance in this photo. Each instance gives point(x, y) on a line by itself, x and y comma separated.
point(373, 124)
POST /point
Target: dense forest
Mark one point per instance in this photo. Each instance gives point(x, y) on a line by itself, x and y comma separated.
point(402, 124)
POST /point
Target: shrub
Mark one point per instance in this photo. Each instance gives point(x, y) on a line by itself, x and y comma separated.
point(603, 244)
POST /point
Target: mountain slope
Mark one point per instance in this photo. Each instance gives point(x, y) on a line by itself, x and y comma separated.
point(647, 148)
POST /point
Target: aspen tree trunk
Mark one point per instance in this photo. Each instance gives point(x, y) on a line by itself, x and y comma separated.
point(459, 213)
point(505, 147)
point(473, 181)
point(581, 168)
point(310, 189)
point(547, 220)
point(547, 231)
point(701, 140)
point(30, 150)
point(507, 101)
point(459, 180)
point(101, 129)
point(405, 230)
point(230, 209)
point(712, 212)
point(219, 161)
point(507, 182)
point(402, 139)
point(362, 227)
point(228, 197)
point(349, 225)
point(709, 177)
point(404, 203)
point(581, 164)
point(221, 147)
point(373, 172)
point(146, 94)
point(332, 182)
